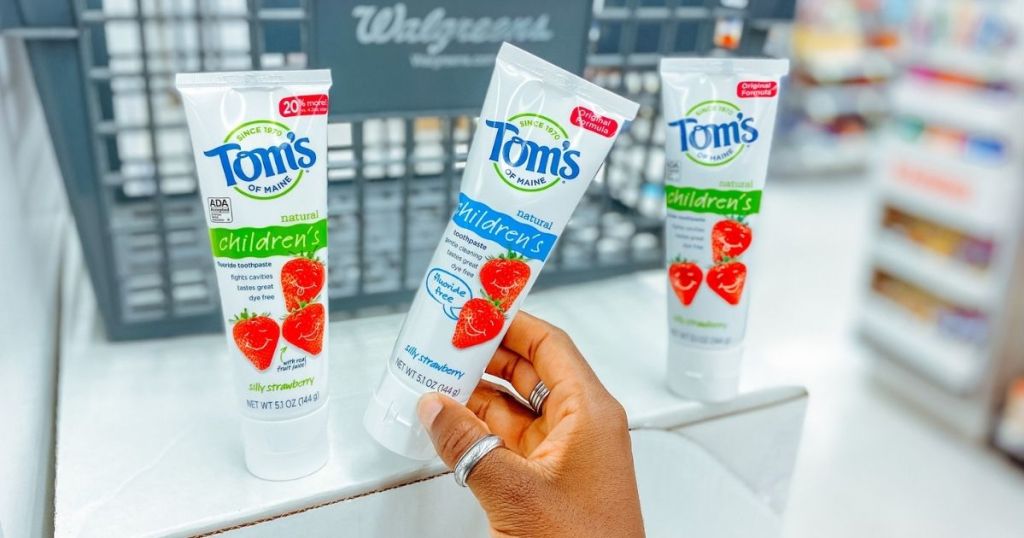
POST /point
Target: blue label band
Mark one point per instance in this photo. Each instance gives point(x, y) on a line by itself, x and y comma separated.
point(505, 230)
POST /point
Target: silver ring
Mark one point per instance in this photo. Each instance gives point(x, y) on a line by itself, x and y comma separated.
point(473, 455)
point(538, 396)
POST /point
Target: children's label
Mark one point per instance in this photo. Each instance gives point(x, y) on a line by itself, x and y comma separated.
point(503, 229)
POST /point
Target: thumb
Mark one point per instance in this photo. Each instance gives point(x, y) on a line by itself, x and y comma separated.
point(453, 428)
point(507, 487)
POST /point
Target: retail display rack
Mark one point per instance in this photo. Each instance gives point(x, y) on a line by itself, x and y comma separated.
point(104, 71)
point(944, 299)
point(837, 93)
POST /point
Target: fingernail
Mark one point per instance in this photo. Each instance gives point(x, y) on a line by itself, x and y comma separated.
point(428, 408)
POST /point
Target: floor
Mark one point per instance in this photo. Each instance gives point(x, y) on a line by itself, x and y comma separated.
point(869, 465)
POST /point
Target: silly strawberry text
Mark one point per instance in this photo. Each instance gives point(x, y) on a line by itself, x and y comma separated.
point(427, 379)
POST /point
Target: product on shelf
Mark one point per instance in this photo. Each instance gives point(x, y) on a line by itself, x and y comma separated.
point(973, 147)
point(720, 116)
point(939, 239)
point(964, 324)
point(958, 79)
point(260, 141)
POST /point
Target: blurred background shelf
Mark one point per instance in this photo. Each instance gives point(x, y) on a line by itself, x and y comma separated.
point(946, 281)
point(953, 280)
point(982, 110)
point(837, 91)
point(953, 365)
point(1005, 65)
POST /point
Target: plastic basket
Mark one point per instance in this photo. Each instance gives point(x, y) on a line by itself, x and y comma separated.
point(104, 71)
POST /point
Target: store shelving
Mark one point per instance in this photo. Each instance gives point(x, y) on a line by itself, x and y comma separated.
point(932, 182)
point(837, 91)
point(952, 364)
point(946, 285)
point(965, 61)
point(977, 109)
point(953, 280)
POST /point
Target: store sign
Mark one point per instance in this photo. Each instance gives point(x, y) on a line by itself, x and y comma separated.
point(415, 56)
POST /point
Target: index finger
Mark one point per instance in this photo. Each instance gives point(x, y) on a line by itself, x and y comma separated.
point(550, 350)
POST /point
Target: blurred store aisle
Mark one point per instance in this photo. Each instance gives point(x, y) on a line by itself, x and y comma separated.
point(869, 465)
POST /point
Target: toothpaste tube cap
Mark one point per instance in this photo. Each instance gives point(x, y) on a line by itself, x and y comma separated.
point(705, 375)
point(286, 449)
point(392, 420)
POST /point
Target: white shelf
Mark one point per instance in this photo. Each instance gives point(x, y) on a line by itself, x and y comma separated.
point(865, 99)
point(801, 155)
point(954, 365)
point(147, 432)
point(974, 110)
point(963, 61)
point(946, 278)
point(970, 197)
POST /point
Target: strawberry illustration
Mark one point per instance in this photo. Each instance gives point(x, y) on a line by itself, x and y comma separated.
point(505, 277)
point(730, 238)
point(256, 336)
point(302, 279)
point(727, 279)
point(304, 327)
point(685, 277)
point(480, 320)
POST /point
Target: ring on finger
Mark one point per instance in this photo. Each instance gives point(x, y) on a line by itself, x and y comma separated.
point(538, 396)
point(476, 452)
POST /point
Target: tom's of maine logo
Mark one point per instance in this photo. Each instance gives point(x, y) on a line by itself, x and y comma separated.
point(263, 159)
point(713, 133)
point(531, 152)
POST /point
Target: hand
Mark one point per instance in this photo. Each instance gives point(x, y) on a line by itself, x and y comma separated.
point(567, 472)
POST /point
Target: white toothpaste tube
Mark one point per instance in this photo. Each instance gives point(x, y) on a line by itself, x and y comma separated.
point(719, 116)
point(541, 137)
point(260, 144)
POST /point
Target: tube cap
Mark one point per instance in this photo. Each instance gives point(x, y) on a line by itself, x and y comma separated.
point(286, 449)
point(703, 374)
point(392, 420)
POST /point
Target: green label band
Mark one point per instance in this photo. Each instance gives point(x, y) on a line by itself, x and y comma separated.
point(726, 203)
point(237, 243)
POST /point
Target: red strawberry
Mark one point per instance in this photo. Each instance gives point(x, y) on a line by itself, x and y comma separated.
point(727, 279)
point(505, 277)
point(480, 320)
point(730, 238)
point(302, 279)
point(685, 277)
point(256, 336)
point(304, 327)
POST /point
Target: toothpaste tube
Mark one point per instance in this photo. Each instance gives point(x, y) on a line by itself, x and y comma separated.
point(719, 116)
point(541, 137)
point(260, 144)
